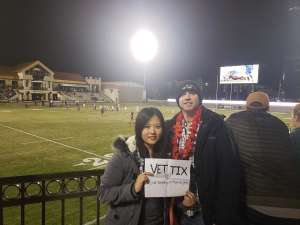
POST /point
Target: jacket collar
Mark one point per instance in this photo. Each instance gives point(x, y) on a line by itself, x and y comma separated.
point(205, 113)
point(125, 145)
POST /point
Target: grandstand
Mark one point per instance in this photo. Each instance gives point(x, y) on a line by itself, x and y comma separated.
point(34, 81)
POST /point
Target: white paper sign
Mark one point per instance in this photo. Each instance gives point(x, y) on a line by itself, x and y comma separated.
point(171, 177)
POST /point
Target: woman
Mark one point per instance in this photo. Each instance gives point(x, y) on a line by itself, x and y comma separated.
point(124, 177)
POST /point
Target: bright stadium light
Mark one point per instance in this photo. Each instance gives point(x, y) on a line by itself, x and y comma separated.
point(144, 47)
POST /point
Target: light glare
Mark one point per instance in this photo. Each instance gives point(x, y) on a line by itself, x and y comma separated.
point(144, 45)
point(234, 102)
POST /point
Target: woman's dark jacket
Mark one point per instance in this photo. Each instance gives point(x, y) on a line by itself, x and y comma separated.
point(217, 169)
point(117, 186)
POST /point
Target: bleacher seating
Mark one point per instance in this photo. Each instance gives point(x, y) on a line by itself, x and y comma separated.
point(7, 94)
point(84, 96)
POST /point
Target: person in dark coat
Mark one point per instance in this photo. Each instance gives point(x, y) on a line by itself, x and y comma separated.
point(200, 135)
point(272, 191)
point(124, 177)
point(295, 134)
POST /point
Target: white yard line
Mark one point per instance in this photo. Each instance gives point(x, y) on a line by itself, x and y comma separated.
point(95, 220)
point(49, 140)
point(98, 167)
point(38, 142)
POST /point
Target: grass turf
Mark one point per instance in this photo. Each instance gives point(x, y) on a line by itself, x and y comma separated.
point(39, 140)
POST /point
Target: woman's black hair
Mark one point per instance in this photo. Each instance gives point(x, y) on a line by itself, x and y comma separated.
point(141, 120)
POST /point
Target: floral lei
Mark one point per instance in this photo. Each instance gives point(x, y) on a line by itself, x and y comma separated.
point(192, 134)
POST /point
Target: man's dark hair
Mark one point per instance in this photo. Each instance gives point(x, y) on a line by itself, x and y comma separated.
point(188, 85)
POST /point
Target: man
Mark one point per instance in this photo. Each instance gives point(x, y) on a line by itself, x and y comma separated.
point(200, 135)
point(295, 134)
point(272, 188)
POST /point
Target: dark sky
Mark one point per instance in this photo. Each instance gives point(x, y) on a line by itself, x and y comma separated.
point(195, 37)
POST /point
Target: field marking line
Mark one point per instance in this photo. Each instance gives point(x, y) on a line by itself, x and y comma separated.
point(49, 140)
point(98, 167)
point(37, 142)
point(95, 220)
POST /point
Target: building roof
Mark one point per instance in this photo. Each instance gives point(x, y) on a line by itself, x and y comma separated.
point(8, 72)
point(12, 71)
point(68, 76)
point(5, 69)
point(22, 66)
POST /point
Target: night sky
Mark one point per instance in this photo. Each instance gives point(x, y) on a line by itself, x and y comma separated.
point(195, 37)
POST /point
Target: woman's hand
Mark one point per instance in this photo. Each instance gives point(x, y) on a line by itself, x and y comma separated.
point(189, 199)
point(141, 180)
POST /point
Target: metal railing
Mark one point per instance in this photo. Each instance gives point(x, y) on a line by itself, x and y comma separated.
point(40, 189)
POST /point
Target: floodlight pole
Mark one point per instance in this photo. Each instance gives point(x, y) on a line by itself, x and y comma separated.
point(217, 89)
point(145, 85)
point(230, 96)
point(144, 47)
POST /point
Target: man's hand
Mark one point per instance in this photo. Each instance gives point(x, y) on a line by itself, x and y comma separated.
point(189, 199)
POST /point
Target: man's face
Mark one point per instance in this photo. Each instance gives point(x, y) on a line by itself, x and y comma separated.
point(189, 101)
point(295, 121)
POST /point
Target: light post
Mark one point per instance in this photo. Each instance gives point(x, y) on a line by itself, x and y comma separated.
point(144, 47)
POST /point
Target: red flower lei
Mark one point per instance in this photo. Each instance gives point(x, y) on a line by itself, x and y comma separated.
point(185, 153)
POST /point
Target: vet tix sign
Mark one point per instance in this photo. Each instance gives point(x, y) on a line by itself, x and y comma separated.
point(171, 177)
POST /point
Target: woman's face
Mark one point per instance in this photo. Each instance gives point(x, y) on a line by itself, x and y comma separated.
point(152, 131)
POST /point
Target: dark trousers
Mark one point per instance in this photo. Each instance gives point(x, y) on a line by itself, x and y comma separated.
point(195, 220)
point(256, 218)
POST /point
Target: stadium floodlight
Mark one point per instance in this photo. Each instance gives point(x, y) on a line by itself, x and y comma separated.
point(144, 45)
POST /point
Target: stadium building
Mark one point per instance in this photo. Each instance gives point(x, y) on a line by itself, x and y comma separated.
point(34, 81)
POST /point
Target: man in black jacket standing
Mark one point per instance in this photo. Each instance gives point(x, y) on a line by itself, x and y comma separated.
point(200, 135)
point(272, 190)
point(295, 134)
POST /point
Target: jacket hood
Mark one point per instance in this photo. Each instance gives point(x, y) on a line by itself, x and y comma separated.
point(125, 144)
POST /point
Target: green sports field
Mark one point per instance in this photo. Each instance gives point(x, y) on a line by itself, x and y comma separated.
point(46, 140)
point(38, 139)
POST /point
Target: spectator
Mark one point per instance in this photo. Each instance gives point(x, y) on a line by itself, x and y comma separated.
point(271, 182)
point(102, 110)
point(131, 118)
point(200, 135)
point(124, 177)
point(77, 105)
point(295, 134)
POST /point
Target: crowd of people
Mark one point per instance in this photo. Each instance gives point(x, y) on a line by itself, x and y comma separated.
point(6, 93)
point(244, 170)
